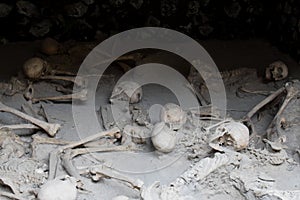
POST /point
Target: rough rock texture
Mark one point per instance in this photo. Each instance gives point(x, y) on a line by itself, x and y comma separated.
point(88, 19)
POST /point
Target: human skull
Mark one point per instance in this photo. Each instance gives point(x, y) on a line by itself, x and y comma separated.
point(231, 134)
point(163, 138)
point(277, 70)
point(127, 91)
point(173, 115)
point(35, 67)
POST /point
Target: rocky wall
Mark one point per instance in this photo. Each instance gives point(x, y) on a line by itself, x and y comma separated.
point(278, 20)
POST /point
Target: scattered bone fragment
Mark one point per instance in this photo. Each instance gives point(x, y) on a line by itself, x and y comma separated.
point(50, 128)
point(59, 189)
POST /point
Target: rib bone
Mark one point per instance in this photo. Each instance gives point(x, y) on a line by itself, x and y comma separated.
point(50, 128)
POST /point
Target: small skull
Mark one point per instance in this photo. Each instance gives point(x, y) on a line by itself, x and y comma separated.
point(163, 138)
point(231, 134)
point(127, 91)
point(173, 115)
point(35, 67)
point(277, 70)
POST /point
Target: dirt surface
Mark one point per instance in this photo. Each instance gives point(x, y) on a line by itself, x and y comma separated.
point(193, 170)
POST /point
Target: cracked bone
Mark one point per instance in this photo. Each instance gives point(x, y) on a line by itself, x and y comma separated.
point(50, 128)
point(81, 96)
point(54, 155)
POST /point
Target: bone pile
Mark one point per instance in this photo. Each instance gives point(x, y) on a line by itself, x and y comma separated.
point(226, 157)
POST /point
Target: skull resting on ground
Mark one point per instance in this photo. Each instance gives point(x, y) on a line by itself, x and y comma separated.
point(232, 134)
point(276, 71)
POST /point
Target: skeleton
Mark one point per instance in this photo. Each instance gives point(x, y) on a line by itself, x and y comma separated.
point(276, 71)
point(173, 115)
point(163, 138)
point(50, 128)
point(39, 69)
point(69, 151)
point(127, 91)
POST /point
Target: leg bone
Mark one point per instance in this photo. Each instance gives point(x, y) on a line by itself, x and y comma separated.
point(51, 129)
point(79, 81)
point(291, 93)
point(82, 96)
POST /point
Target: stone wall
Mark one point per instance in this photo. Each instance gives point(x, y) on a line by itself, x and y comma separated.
point(276, 20)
